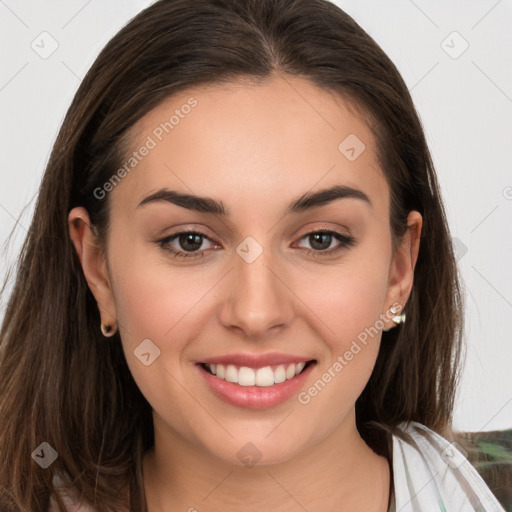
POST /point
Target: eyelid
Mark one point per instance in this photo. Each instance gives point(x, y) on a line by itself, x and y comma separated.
point(189, 229)
point(325, 227)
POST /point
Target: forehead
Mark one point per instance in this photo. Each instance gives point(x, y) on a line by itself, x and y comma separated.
point(275, 139)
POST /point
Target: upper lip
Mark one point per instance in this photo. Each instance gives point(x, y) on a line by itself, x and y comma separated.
point(255, 360)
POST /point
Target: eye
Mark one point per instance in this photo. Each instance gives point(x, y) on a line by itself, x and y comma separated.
point(190, 244)
point(321, 242)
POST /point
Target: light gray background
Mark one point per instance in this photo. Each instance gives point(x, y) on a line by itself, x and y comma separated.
point(464, 101)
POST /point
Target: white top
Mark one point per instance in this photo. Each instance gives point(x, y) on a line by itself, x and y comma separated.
point(432, 475)
point(429, 475)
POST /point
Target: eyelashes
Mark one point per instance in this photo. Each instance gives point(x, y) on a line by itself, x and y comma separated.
point(196, 237)
point(183, 236)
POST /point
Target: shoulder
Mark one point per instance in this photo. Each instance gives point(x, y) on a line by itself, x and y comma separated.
point(429, 470)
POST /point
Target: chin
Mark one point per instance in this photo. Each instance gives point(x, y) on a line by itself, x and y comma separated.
point(256, 451)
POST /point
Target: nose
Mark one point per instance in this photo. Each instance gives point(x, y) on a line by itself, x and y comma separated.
point(258, 298)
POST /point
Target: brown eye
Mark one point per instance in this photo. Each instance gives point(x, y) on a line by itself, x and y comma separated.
point(186, 244)
point(190, 241)
point(320, 241)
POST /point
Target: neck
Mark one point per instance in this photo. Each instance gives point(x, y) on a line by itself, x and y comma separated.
point(342, 469)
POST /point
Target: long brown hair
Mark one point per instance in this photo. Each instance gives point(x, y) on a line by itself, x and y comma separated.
point(61, 382)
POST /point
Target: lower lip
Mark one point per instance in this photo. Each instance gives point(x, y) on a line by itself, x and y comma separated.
point(255, 397)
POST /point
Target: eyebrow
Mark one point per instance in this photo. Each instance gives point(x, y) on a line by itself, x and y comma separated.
point(306, 202)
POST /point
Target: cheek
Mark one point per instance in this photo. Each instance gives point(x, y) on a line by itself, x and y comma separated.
point(140, 300)
point(346, 305)
point(161, 303)
point(150, 297)
point(347, 299)
point(349, 306)
point(153, 304)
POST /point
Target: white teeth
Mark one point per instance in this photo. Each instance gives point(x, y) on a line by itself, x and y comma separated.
point(231, 374)
point(246, 376)
point(279, 374)
point(263, 377)
point(290, 372)
point(220, 371)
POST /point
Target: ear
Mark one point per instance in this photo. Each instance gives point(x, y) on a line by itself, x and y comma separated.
point(94, 264)
point(401, 272)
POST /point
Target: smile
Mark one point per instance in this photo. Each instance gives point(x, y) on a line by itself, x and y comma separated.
point(262, 377)
point(255, 382)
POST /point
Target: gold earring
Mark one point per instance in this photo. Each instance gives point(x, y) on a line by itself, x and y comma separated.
point(107, 330)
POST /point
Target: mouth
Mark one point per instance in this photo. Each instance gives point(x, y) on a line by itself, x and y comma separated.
point(265, 376)
point(247, 383)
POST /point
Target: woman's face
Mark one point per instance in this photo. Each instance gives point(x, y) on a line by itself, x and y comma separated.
point(251, 286)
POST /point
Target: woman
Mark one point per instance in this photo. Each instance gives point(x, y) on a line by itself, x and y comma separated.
point(246, 292)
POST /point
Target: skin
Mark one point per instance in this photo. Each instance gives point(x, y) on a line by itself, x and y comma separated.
point(255, 148)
